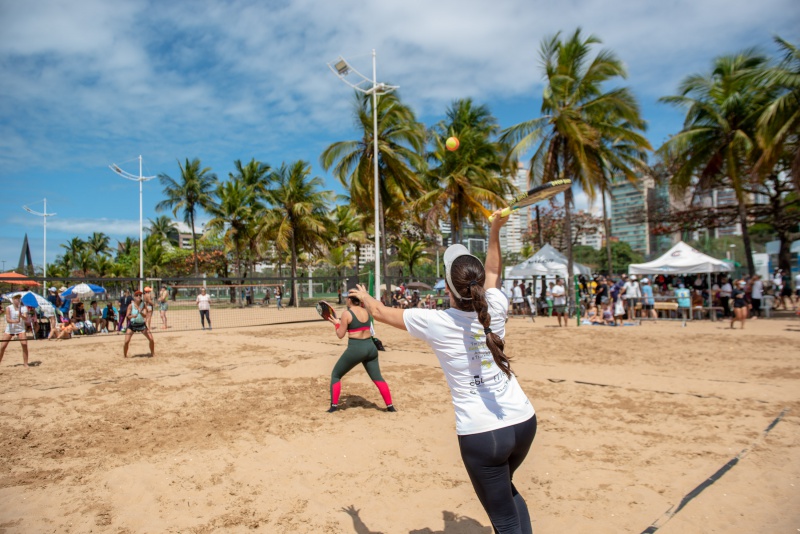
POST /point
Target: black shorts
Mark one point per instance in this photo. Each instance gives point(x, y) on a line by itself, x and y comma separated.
point(786, 291)
point(647, 306)
point(137, 327)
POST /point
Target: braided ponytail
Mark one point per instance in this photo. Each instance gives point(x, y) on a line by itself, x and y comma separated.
point(493, 341)
point(468, 275)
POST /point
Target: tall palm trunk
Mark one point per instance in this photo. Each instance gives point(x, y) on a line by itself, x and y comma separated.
point(539, 238)
point(384, 255)
point(742, 209)
point(194, 244)
point(607, 228)
point(568, 236)
point(294, 301)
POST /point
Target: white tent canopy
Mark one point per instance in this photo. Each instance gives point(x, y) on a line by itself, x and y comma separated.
point(681, 259)
point(546, 262)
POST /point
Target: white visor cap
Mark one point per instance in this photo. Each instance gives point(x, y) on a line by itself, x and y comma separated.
point(450, 255)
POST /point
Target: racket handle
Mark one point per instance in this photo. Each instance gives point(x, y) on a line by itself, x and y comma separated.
point(505, 213)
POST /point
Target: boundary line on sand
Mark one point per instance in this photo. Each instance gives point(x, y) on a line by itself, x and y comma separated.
point(669, 514)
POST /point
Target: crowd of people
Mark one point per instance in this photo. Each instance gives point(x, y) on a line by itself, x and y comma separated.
point(612, 300)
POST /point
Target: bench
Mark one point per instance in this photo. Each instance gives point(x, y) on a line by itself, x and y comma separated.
point(701, 311)
point(668, 308)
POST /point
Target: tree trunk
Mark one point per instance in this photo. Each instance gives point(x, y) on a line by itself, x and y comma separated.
point(568, 236)
point(785, 254)
point(538, 229)
point(748, 246)
point(194, 244)
point(293, 300)
point(384, 255)
point(607, 228)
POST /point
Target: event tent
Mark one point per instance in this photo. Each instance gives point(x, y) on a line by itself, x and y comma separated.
point(546, 262)
point(681, 259)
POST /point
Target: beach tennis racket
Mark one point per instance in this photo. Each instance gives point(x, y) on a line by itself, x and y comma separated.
point(325, 310)
point(537, 194)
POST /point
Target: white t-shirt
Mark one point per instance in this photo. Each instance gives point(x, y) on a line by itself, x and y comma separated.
point(203, 302)
point(632, 290)
point(757, 291)
point(517, 295)
point(15, 314)
point(483, 397)
point(559, 295)
point(726, 290)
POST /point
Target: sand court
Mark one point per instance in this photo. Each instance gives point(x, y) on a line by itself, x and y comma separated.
point(226, 431)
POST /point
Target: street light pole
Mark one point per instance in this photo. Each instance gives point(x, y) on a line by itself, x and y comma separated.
point(342, 68)
point(44, 215)
point(114, 167)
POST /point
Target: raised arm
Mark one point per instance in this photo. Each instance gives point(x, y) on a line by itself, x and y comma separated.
point(382, 314)
point(494, 258)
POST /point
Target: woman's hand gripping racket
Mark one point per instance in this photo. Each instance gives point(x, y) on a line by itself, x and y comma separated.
point(537, 194)
point(325, 310)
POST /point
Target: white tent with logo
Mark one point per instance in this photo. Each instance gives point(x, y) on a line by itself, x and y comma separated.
point(681, 259)
point(546, 262)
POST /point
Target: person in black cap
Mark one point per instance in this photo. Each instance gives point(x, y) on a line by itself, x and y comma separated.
point(495, 421)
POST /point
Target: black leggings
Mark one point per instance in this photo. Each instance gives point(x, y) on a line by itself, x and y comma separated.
point(204, 316)
point(491, 459)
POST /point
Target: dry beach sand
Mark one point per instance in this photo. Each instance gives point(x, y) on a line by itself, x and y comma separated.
point(226, 431)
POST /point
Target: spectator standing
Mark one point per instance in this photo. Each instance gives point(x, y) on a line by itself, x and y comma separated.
point(756, 294)
point(147, 299)
point(739, 303)
point(279, 296)
point(517, 298)
point(684, 298)
point(725, 291)
point(632, 294)
point(163, 305)
point(204, 305)
point(648, 300)
point(549, 299)
point(559, 293)
point(124, 301)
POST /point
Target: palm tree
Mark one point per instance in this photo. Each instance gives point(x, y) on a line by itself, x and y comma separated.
point(299, 215)
point(234, 213)
point(349, 231)
point(717, 144)
point(410, 254)
point(127, 247)
point(98, 243)
point(578, 113)
point(84, 260)
point(401, 141)
point(255, 174)
point(72, 248)
point(102, 265)
point(458, 184)
point(340, 258)
point(188, 195)
point(153, 255)
point(779, 124)
point(165, 228)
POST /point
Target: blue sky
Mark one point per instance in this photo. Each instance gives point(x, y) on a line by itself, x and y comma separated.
point(86, 84)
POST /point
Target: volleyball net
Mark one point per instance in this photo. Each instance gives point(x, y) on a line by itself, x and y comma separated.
point(235, 303)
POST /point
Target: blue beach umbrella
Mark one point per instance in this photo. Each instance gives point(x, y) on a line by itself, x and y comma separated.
point(82, 290)
point(31, 300)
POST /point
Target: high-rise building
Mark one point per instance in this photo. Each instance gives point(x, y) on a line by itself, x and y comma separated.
point(519, 222)
point(629, 213)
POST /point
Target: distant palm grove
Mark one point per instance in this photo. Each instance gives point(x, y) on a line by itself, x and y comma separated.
point(741, 132)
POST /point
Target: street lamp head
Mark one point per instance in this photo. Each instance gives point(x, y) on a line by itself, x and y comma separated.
point(341, 66)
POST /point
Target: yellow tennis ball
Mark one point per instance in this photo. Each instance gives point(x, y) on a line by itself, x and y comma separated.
point(452, 144)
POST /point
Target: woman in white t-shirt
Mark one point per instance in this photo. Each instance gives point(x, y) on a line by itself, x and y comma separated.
point(204, 305)
point(495, 421)
point(15, 326)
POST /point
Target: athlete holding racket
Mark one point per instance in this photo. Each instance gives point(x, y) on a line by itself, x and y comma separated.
point(495, 421)
point(355, 323)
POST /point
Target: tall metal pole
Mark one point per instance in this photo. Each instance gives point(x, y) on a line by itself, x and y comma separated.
point(377, 184)
point(141, 248)
point(44, 253)
point(139, 179)
point(44, 215)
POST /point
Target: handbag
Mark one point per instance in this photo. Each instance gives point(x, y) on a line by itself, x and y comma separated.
point(378, 343)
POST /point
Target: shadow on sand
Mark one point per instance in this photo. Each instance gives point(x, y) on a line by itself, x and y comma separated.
point(453, 524)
